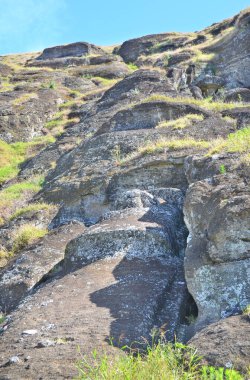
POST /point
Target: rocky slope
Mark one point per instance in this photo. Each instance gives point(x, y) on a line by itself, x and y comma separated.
point(125, 204)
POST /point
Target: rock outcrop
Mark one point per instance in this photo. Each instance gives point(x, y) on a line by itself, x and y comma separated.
point(77, 49)
point(145, 171)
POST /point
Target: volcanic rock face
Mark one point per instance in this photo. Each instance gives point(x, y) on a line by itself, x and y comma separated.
point(147, 187)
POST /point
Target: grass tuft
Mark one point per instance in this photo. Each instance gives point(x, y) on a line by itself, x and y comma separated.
point(181, 122)
point(31, 208)
point(25, 235)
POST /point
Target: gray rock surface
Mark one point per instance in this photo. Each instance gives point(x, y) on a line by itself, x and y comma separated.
point(225, 343)
point(217, 259)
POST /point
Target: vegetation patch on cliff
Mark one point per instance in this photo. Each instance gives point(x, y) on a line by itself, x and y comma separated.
point(164, 361)
point(12, 155)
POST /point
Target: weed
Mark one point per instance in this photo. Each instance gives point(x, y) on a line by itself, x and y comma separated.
point(191, 319)
point(222, 169)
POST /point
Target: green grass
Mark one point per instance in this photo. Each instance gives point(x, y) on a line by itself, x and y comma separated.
point(163, 145)
point(132, 66)
point(12, 155)
point(17, 191)
point(237, 142)
point(204, 103)
point(181, 122)
point(105, 81)
point(25, 235)
point(69, 104)
point(164, 361)
point(31, 208)
point(60, 121)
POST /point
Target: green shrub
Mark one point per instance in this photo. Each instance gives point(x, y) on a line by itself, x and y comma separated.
point(25, 235)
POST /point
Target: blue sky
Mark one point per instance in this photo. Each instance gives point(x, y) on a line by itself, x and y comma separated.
point(32, 25)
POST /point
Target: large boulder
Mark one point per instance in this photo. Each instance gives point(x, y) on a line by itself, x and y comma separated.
point(149, 114)
point(124, 274)
point(217, 261)
point(30, 267)
point(77, 49)
point(130, 50)
point(225, 343)
point(237, 95)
